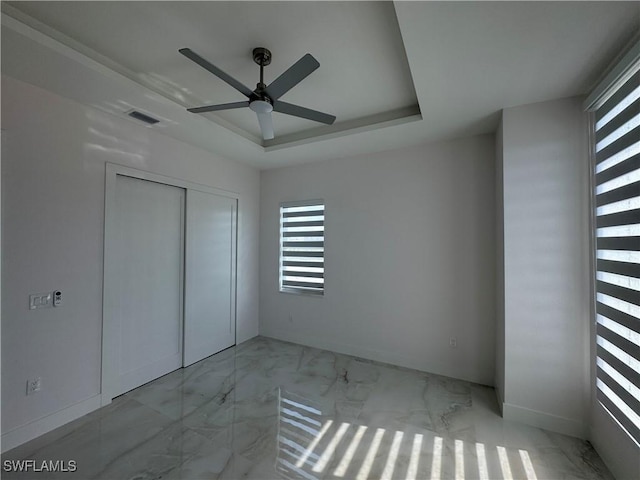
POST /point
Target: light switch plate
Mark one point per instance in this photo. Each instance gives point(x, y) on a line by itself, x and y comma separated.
point(40, 300)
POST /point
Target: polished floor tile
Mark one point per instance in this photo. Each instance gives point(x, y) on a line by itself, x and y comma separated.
point(275, 410)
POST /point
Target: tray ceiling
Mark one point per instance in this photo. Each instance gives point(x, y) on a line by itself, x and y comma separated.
point(363, 72)
point(394, 74)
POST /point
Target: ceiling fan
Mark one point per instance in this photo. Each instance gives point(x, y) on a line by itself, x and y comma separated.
point(265, 98)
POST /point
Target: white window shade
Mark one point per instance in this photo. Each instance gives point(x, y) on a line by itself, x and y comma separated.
point(617, 229)
point(302, 247)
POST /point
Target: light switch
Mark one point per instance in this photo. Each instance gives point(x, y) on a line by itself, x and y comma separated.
point(40, 300)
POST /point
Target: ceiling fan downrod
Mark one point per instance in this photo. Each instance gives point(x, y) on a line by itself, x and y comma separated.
point(260, 102)
point(262, 56)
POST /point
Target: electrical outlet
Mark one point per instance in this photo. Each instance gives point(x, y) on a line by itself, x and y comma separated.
point(453, 343)
point(290, 318)
point(34, 385)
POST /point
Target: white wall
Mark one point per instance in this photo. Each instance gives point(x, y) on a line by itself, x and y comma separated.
point(499, 379)
point(410, 257)
point(53, 172)
point(546, 265)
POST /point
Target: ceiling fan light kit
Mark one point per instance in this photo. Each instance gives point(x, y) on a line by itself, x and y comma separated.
point(261, 106)
point(265, 98)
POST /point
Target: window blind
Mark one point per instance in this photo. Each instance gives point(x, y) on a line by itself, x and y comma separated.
point(302, 247)
point(617, 224)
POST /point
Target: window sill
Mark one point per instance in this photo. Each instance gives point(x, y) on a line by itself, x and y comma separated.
point(304, 293)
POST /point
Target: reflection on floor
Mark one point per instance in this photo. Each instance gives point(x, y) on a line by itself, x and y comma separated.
point(274, 410)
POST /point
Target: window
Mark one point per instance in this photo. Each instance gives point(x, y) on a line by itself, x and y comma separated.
point(302, 247)
point(616, 143)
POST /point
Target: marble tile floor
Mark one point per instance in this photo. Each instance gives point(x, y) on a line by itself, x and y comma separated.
point(268, 409)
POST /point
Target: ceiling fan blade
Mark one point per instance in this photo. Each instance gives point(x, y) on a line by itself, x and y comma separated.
point(294, 75)
point(266, 125)
point(193, 56)
point(215, 108)
point(302, 112)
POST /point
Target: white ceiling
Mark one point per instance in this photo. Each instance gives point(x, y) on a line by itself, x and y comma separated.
point(393, 74)
point(149, 35)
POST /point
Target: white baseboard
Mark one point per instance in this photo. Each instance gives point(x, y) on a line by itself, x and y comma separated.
point(566, 426)
point(391, 358)
point(43, 425)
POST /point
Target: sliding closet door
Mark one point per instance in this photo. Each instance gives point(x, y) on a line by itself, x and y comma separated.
point(147, 263)
point(209, 324)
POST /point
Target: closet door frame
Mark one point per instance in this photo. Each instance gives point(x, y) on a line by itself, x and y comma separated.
point(110, 338)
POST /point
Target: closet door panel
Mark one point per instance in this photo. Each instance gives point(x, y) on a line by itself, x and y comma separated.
point(209, 325)
point(148, 261)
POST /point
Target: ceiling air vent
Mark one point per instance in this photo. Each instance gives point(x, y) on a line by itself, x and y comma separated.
point(143, 117)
